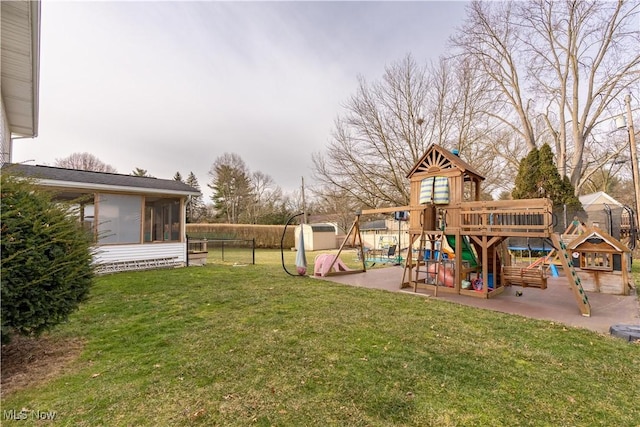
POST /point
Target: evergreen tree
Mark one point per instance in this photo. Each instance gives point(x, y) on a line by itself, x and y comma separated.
point(46, 259)
point(140, 172)
point(549, 180)
point(527, 178)
point(178, 177)
point(195, 208)
point(231, 185)
point(538, 177)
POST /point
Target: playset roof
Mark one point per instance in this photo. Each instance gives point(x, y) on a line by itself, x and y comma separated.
point(437, 159)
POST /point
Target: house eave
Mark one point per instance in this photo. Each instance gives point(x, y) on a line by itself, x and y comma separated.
point(111, 188)
point(21, 66)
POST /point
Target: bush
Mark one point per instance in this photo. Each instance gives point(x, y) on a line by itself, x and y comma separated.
point(46, 260)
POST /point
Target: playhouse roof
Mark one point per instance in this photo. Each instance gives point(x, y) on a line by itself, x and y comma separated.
point(436, 159)
point(596, 233)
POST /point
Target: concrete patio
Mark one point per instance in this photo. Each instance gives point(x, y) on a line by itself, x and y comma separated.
point(556, 303)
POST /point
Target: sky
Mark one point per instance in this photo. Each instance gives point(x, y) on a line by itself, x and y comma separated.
point(171, 86)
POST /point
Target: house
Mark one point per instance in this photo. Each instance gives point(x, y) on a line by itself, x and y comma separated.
point(382, 233)
point(20, 71)
point(138, 222)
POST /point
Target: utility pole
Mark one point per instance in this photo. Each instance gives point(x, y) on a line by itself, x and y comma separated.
point(634, 157)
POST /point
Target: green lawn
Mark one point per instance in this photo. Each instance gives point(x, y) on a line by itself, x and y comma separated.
point(249, 345)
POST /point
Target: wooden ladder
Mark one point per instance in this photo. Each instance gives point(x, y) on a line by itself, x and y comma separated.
point(574, 280)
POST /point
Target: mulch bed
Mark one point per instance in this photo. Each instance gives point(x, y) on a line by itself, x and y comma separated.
point(28, 361)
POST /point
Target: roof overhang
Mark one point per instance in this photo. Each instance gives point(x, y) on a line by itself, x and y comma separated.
point(20, 65)
point(90, 187)
point(83, 181)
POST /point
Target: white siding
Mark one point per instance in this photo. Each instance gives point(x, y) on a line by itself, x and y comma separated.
point(119, 253)
point(5, 136)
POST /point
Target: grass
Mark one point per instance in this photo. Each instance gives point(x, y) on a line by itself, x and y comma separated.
point(235, 346)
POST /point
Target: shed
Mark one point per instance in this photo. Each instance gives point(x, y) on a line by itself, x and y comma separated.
point(317, 237)
point(603, 262)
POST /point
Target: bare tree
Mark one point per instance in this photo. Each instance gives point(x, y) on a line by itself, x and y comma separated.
point(267, 199)
point(389, 124)
point(377, 140)
point(556, 68)
point(491, 42)
point(458, 98)
point(84, 161)
point(337, 207)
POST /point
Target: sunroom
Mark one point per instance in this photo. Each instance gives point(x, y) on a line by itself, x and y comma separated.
point(137, 222)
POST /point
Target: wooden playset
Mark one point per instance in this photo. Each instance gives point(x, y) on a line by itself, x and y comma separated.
point(446, 209)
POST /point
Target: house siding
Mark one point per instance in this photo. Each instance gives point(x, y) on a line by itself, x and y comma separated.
point(5, 136)
point(121, 253)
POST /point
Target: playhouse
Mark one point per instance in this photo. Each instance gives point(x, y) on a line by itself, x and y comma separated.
point(602, 262)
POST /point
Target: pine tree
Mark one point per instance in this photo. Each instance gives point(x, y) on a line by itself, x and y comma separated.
point(527, 178)
point(140, 172)
point(46, 260)
point(231, 185)
point(549, 180)
point(178, 177)
point(538, 177)
point(195, 208)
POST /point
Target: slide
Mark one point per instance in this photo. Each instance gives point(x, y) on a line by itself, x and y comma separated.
point(467, 251)
point(323, 264)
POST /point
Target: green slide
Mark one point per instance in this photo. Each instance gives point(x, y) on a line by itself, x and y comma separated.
point(467, 251)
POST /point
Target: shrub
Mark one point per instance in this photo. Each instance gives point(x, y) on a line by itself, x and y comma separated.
point(46, 259)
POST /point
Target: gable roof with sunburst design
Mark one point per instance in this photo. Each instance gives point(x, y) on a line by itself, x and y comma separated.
point(437, 159)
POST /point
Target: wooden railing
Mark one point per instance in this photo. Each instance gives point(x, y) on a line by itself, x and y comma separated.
point(530, 218)
point(196, 245)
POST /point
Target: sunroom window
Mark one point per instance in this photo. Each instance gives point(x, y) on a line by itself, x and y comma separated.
point(162, 219)
point(119, 218)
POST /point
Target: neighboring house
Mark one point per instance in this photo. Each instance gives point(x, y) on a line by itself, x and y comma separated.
point(382, 233)
point(20, 71)
point(138, 222)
